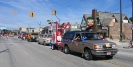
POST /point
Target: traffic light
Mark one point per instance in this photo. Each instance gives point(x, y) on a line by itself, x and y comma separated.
point(54, 12)
point(31, 14)
point(14, 13)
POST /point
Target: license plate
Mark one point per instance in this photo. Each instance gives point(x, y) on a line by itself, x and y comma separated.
point(108, 53)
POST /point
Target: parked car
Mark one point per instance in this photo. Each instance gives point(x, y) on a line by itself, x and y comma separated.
point(32, 37)
point(45, 40)
point(25, 36)
point(89, 44)
point(11, 35)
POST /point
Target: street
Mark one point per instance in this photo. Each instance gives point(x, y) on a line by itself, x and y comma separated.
point(15, 52)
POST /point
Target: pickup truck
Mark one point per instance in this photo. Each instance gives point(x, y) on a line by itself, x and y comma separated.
point(89, 44)
point(44, 40)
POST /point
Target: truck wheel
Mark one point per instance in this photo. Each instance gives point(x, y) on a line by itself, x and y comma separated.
point(87, 54)
point(66, 50)
point(52, 47)
point(30, 40)
point(108, 57)
point(38, 42)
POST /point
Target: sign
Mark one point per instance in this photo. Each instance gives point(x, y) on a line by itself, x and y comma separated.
point(90, 21)
point(73, 26)
point(105, 28)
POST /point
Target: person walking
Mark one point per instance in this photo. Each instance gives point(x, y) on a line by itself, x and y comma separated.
point(7, 36)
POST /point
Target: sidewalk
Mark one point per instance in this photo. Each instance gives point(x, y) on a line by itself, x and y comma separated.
point(123, 43)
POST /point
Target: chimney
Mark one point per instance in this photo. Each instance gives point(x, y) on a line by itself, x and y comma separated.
point(94, 16)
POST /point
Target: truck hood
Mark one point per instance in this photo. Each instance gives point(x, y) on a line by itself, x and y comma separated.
point(99, 42)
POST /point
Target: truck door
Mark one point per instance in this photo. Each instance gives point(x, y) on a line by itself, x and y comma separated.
point(76, 42)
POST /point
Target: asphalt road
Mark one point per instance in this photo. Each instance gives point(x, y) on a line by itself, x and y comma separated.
point(19, 53)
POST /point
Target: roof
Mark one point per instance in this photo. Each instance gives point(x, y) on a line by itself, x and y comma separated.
point(117, 16)
point(103, 15)
point(106, 17)
point(87, 15)
point(106, 21)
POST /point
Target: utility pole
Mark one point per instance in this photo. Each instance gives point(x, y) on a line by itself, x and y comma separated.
point(29, 28)
point(39, 27)
point(132, 20)
point(121, 21)
point(94, 15)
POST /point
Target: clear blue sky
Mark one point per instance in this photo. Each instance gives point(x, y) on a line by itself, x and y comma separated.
point(67, 10)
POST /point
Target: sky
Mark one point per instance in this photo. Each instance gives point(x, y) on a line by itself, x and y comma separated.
point(66, 10)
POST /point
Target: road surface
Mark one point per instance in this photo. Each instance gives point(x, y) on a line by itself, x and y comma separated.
point(15, 52)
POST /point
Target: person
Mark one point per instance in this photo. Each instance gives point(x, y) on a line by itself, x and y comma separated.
point(7, 36)
point(77, 37)
point(101, 36)
point(130, 45)
point(106, 38)
point(83, 38)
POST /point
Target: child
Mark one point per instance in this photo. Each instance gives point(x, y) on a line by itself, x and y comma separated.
point(130, 44)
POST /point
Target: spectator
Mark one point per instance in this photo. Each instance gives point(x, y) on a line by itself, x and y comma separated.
point(130, 44)
point(106, 38)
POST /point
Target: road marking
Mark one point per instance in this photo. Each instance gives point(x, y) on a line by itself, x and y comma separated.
point(116, 63)
point(25, 52)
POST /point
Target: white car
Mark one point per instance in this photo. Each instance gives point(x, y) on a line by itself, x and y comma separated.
point(45, 40)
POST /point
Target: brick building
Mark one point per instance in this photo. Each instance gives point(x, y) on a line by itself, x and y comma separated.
point(108, 24)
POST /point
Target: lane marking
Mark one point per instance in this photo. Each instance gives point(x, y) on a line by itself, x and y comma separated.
point(25, 52)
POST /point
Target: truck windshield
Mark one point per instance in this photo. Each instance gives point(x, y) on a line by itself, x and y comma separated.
point(91, 36)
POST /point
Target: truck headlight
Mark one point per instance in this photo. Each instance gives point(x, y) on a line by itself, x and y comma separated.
point(98, 46)
point(114, 46)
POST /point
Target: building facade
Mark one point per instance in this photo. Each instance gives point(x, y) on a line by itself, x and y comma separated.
point(29, 30)
point(108, 24)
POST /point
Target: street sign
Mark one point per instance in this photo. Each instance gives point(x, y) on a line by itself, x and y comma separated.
point(105, 28)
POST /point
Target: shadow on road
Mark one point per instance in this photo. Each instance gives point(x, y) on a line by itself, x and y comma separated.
point(6, 50)
point(99, 58)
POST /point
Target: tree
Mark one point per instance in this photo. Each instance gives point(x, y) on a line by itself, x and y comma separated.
point(5, 31)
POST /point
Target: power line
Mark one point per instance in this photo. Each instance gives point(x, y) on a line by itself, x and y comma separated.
point(125, 7)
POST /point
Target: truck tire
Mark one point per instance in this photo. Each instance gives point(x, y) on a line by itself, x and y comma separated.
point(66, 50)
point(52, 47)
point(30, 40)
point(38, 42)
point(88, 55)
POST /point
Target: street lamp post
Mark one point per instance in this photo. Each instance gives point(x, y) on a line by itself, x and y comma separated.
point(120, 21)
point(39, 27)
point(132, 18)
point(58, 19)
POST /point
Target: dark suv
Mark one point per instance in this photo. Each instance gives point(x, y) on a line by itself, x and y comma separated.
point(89, 44)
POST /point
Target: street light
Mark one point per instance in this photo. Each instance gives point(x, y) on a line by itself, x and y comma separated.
point(132, 18)
point(121, 34)
point(39, 27)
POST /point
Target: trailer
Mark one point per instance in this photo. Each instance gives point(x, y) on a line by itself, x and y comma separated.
point(57, 31)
